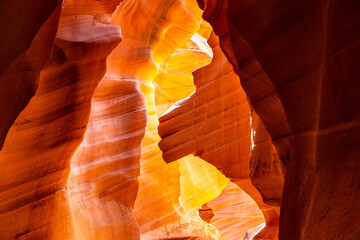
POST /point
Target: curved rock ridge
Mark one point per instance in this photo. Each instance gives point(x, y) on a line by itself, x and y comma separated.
point(35, 160)
point(175, 80)
point(218, 105)
point(199, 181)
point(199, 184)
point(214, 123)
point(297, 63)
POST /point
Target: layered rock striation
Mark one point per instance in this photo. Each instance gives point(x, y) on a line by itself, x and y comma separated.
point(214, 123)
point(296, 62)
point(35, 159)
point(131, 120)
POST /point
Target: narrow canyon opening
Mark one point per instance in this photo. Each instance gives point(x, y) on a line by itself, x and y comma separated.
point(119, 165)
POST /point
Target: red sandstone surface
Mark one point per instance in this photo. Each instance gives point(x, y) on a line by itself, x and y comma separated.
point(180, 119)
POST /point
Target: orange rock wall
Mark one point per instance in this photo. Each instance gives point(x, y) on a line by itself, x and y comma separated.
point(214, 123)
point(103, 180)
point(82, 153)
point(211, 114)
point(199, 182)
point(35, 160)
point(102, 147)
point(297, 63)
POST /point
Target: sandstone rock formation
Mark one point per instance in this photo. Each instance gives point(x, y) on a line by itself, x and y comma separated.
point(96, 201)
point(297, 64)
point(35, 160)
point(214, 123)
point(146, 45)
point(104, 170)
point(136, 119)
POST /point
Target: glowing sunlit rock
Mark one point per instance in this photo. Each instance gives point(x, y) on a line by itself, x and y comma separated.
point(214, 123)
point(263, 116)
point(103, 180)
point(138, 58)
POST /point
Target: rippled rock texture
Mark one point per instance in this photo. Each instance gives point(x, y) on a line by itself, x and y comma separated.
point(137, 119)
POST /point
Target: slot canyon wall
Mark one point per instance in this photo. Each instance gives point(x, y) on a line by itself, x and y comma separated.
point(180, 119)
point(297, 63)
